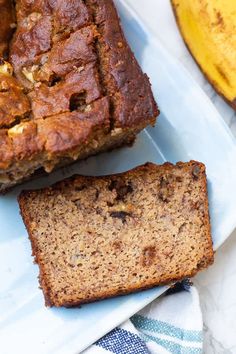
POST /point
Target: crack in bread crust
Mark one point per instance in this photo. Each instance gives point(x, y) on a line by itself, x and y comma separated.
point(69, 71)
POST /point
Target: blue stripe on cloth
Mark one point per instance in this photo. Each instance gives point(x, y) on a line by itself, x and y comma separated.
point(120, 341)
point(172, 347)
point(156, 326)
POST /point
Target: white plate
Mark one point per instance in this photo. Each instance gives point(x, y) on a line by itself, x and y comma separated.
point(189, 128)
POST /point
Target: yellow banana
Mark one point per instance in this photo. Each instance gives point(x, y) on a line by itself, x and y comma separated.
point(209, 31)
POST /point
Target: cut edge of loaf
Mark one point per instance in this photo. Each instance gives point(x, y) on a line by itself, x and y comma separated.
point(27, 171)
point(206, 260)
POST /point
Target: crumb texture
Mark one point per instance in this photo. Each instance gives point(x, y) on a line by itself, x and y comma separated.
point(66, 58)
point(99, 237)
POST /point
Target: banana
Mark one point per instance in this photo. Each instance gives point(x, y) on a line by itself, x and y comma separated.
point(208, 28)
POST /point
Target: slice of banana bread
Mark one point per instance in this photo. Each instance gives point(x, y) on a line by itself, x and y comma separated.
point(71, 87)
point(98, 237)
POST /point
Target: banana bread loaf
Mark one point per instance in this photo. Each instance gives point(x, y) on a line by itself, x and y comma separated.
point(71, 87)
point(97, 237)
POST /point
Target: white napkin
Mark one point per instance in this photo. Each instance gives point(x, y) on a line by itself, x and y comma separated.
point(170, 324)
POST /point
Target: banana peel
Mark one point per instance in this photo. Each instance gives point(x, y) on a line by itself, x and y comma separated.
point(208, 28)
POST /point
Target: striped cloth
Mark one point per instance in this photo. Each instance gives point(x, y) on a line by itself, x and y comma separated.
point(171, 324)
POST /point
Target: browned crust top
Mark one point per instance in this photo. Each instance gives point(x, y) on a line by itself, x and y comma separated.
point(7, 22)
point(69, 56)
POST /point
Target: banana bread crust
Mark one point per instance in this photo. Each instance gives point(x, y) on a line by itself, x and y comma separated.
point(72, 70)
point(7, 24)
